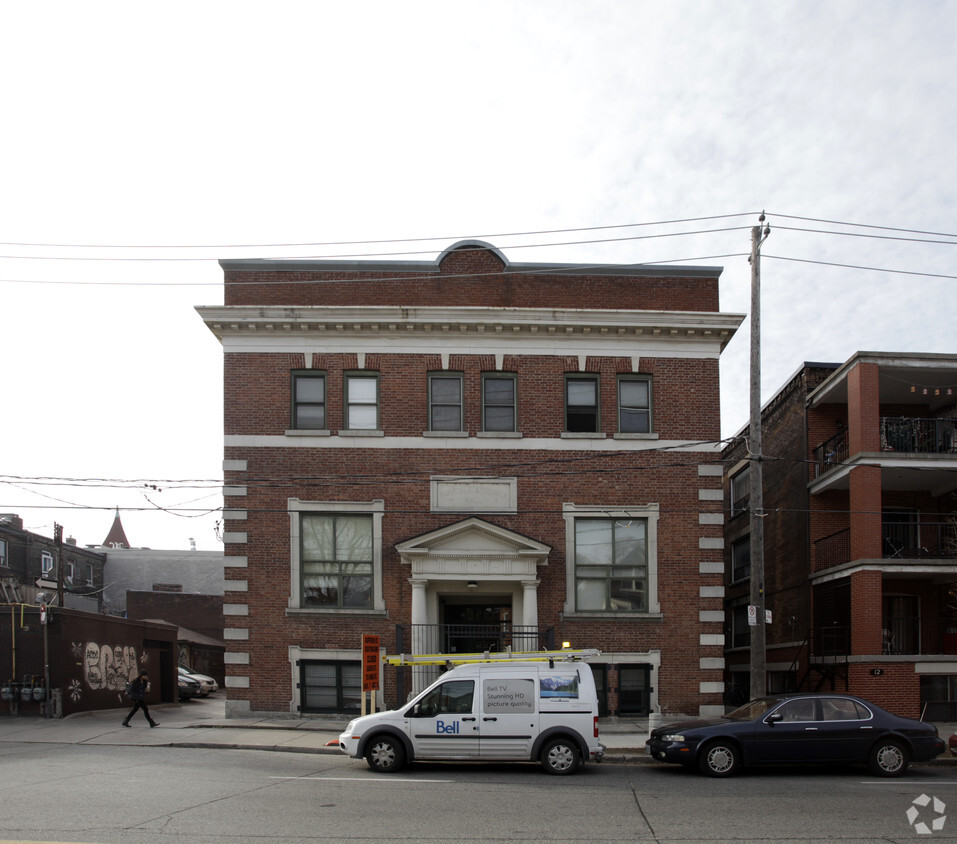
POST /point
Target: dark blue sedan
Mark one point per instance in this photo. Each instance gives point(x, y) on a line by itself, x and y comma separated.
point(781, 729)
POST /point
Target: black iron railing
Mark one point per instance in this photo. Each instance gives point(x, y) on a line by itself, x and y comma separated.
point(898, 434)
point(472, 638)
point(830, 454)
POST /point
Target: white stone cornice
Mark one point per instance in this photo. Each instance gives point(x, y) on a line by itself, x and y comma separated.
point(597, 325)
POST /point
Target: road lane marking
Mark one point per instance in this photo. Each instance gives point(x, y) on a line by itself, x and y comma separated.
point(360, 779)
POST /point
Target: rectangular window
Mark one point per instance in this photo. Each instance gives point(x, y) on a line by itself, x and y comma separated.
point(581, 404)
point(308, 401)
point(337, 560)
point(330, 686)
point(445, 402)
point(69, 573)
point(498, 403)
point(46, 562)
point(741, 559)
point(634, 405)
point(88, 574)
point(741, 491)
point(611, 565)
point(3, 553)
point(362, 402)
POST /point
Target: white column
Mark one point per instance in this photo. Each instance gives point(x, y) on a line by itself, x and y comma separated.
point(421, 674)
point(530, 614)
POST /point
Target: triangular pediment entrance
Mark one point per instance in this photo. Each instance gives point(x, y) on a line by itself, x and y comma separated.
point(473, 547)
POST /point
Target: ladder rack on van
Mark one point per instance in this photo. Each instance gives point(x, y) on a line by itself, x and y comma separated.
point(564, 655)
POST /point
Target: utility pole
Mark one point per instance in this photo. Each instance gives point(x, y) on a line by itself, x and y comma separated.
point(759, 686)
point(58, 539)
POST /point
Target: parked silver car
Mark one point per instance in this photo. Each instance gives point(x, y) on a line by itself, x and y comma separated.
point(206, 683)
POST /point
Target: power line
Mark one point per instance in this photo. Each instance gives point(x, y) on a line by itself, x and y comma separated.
point(859, 267)
point(369, 255)
point(372, 242)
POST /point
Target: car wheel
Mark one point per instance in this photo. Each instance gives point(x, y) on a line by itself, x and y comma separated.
point(560, 756)
point(720, 759)
point(888, 758)
point(385, 754)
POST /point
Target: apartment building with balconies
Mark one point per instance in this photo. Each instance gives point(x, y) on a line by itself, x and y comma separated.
point(860, 557)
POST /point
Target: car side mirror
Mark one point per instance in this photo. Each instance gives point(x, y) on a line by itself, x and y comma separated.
point(774, 718)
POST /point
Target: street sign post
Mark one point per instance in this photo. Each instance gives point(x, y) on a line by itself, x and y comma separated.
point(370, 669)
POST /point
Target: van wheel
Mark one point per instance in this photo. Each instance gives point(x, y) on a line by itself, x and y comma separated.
point(560, 757)
point(385, 754)
point(888, 758)
point(720, 759)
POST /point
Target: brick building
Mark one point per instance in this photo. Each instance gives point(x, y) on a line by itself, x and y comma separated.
point(464, 454)
point(860, 536)
point(28, 568)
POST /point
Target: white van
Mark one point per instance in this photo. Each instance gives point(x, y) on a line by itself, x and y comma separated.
point(514, 711)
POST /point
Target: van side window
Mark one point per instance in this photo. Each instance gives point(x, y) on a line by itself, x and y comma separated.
point(452, 698)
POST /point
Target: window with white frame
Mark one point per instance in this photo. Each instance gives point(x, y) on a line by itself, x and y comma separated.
point(445, 402)
point(336, 559)
point(4, 560)
point(69, 573)
point(308, 400)
point(498, 403)
point(612, 560)
point(88, 574)
point(740, 491)
point(361, 402)
point(634, 404)
point(581, 403)
point(46, 563)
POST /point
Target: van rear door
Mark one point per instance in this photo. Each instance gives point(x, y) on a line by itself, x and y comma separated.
point(509, 713)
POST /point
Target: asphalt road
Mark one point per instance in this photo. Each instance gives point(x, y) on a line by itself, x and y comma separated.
point(90, 793)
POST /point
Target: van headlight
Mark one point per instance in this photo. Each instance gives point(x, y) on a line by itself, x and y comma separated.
point(673, 737)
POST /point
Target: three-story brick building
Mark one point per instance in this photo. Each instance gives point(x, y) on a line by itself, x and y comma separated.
point(469, 454)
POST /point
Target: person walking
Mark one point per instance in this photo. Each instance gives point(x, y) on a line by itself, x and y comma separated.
point(137, 693)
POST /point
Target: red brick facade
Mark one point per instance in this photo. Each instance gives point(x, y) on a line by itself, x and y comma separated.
point(870, 592)
point(469, 523)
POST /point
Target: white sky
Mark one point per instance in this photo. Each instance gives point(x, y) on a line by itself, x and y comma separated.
point(225, 124)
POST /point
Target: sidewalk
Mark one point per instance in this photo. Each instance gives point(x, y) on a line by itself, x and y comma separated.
point(203, 723)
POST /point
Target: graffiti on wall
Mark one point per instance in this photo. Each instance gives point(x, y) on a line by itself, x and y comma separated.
point(109, 667)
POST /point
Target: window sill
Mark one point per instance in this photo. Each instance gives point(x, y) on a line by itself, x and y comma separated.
point(303, 612)
point(505, 435)
point(308, 432)
point(621, 435)
point(583, 435)
point(445, 434)
point(573, 616)
point(360, 432)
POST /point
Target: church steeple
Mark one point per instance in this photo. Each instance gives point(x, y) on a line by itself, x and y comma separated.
point(116, 538)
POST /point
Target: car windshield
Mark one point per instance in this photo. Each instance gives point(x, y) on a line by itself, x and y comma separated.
point(753, 709)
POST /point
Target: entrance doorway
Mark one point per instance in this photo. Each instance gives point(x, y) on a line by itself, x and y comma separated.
point(471, 626)
point(634, 689)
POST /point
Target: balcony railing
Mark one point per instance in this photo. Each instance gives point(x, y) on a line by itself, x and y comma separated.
point(830, 453)
point(472, 638)
point(900, 636)
point(900, 541)
point(906, 540)
point(909, 636)
point(919, 436)
point(898, 434)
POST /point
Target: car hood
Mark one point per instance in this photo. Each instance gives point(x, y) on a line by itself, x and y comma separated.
point(684, 726)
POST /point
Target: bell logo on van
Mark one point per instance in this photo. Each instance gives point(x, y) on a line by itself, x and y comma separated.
point(442, 727)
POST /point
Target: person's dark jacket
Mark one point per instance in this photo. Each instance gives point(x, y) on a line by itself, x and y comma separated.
point(138, 689)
